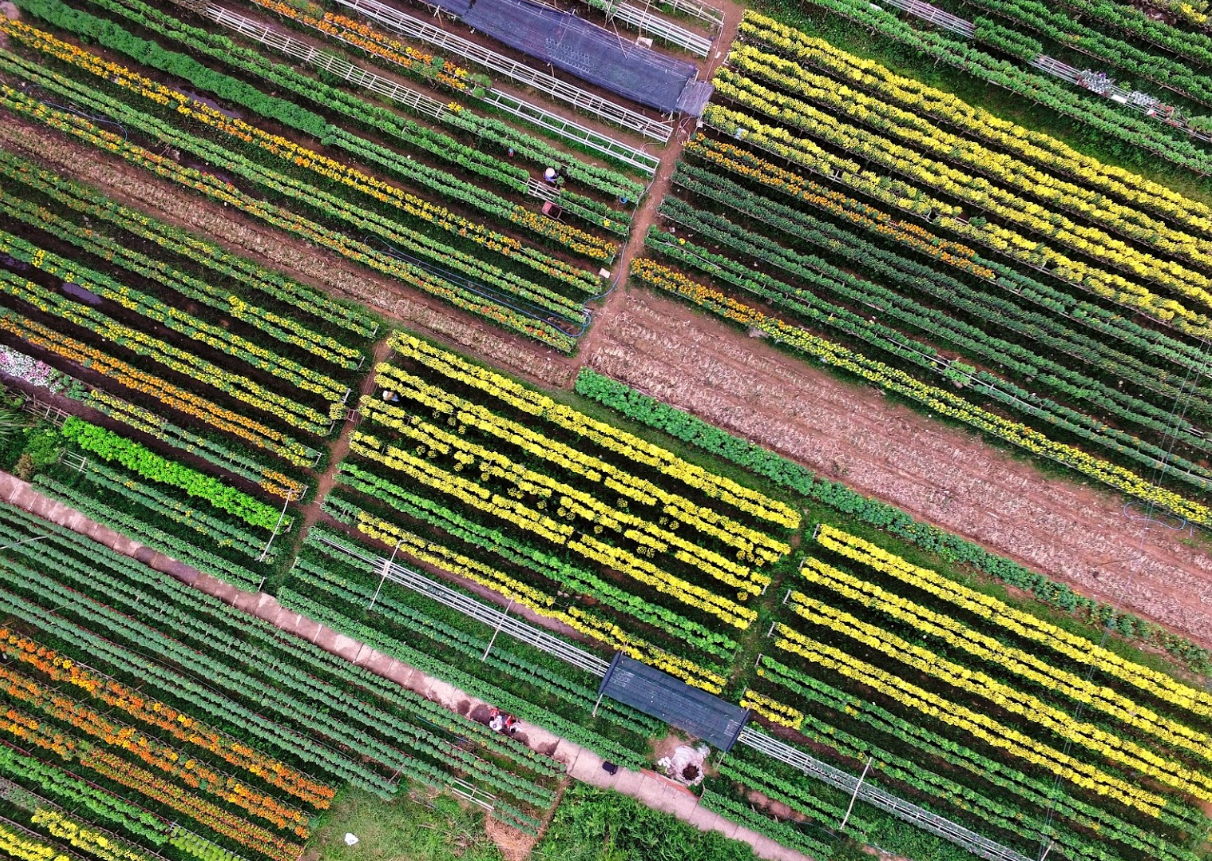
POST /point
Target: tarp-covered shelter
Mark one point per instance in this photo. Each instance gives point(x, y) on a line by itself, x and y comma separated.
point(656, 693)
point(590, 52)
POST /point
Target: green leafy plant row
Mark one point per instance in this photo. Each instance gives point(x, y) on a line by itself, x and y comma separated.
point(137, 458)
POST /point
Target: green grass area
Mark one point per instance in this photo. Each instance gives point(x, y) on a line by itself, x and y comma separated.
point(601, 825)
point(413, 827)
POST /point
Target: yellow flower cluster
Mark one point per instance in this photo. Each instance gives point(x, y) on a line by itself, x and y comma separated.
point(957, 635)
point(218, 338)
point(923, 137)
point(24, 845)
point(966, 720)
point(773, 710)
point(634, 647)
point(467, 492)
point(531, 520)
point(627, 445)
point(751, 543)
point(1021, 623)
point(572, 502)
point(1031, 708)
point(1092, 278)
point(925, 100)
point(645, 572)
point(89, 840)
point(1088, 277)
point(576, 240)
point(775, 139)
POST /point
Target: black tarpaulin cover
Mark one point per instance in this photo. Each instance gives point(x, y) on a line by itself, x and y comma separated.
point(586, 50)
point(656, 693)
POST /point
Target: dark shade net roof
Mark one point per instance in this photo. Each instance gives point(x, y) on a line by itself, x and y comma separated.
point(454, 7)
point(592, 53)
point(659, 694)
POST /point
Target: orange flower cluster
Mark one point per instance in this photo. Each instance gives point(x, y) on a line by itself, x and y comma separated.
point(145, 783)
point(31, 732)
point(188, 771)
point(162, 716)
point(132, 378)
point(372, 41)
point(215, 818)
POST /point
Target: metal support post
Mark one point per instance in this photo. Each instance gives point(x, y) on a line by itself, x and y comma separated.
point(28, 540)
point(386, 570)
point(496, 631)
point(1047, 849)
point(772, 624)
point(598, 703)
point(289, 495)
point(857, 786)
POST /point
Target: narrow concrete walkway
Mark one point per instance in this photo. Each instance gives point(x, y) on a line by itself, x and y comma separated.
point(645, 786)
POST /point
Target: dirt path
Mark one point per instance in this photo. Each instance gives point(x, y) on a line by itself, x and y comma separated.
point(581, 764)
point(661, 183)
point(340, 446)
point(942, 475)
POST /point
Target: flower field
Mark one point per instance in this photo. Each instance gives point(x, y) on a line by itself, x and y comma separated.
point(248, 380)
point(1002, 55)
point(964, 238)
point(874, 656)
point(329, 587)
point(198, 390)
point(479, 244)
point(124, 710)
point(456, 472)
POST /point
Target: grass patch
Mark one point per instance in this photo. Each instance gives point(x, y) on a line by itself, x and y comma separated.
point(602, 825)
point(412, 827)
